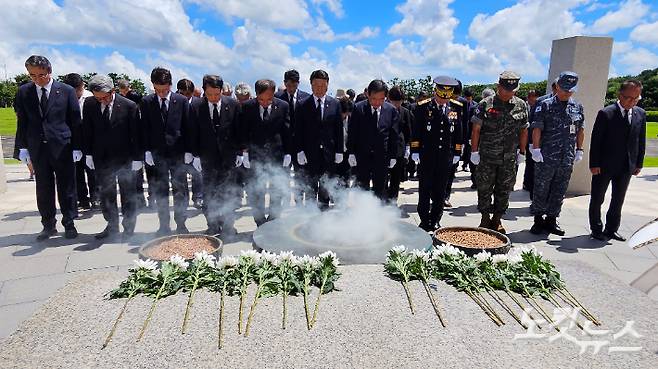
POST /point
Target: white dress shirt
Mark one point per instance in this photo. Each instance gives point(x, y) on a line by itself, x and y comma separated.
point(376, 111)
point(262, 110)
point(166, 101)
point(211, 107)
point(108, 106)
point(315, 102)
point(630, 112)
point(48, 87)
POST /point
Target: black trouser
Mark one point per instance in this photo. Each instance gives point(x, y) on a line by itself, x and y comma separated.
point(529, 173)
point(344, 173)
point(86, 187)
point(300, 181)
point(51, 173)
point(600, 184)
point(257, 188)
point(108, 174)
point(451, 178)
point(139, 180)
point(174, 166)
point(316, 173)
point(397, 175)
point(372, 167)
point(411, 168)
point(221, 195)
point(197, 182)
point(433, 172)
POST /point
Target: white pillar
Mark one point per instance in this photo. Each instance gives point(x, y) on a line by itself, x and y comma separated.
point(590, 58)
point(3, 173)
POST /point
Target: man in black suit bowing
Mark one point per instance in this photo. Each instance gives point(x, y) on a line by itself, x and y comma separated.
point(373, 138)
point(319, 136)
point(213, 141)
point(48, 134)
point(616, 154)
point(265, 135)
point(111, 146)
point(294, 97)
point(165, 124)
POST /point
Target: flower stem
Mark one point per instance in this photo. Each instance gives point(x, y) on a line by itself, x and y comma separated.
point(150, 314)
point(243, 292)
point(317, 302)
point(484, 308)
point(190, 301)
point(486, 303)
point(511, 295)
point(116, 322)
point(285, 311)
point(308, 319)
point(506, 307)
point(590, 316)
point(437, 310)
point(537, 306)
point(557, 305)
point(220, 334)
point(408, 293)
point(252, 310)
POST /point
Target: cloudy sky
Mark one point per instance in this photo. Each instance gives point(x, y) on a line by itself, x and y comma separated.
point(355, 41)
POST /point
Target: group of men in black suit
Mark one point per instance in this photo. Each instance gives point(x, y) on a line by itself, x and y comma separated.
point(216, 135)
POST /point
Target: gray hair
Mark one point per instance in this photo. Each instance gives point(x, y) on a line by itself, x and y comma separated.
point(227, 87)
point(488, 92)
point(123, 83)
point(101, 83)
point(39, 62)
point(242, 89)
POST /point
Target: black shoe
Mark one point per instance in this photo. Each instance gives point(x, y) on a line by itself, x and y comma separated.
point(141, 202)
point(128, 232)
point(465, 169)
point(538, 226)
point(107, 232)
point(551, 226)
point(96, 204)
point(260, 221)
point(46, 233)
point(182, 229)
point(615, 236)
point(427, 227)
point(598, 235)
point(70, 233)
point(84, 205)
point(163, 231)
point(473, 186)
point(212, 231)
point(447, 204)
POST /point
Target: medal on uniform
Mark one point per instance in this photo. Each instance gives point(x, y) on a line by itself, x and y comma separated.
point(452, 128)
point(429, 126)
point(572, 129)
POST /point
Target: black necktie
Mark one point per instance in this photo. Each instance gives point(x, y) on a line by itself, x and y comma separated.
point(106, 115)
point(375, 117)
point(163, 110)
point(43, 103)
point(265, 114)
point(626, 116)
point(291, 102)
point(215, 116)
point(319, 110)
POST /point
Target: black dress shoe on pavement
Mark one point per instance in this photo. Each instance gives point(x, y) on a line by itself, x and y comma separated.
point(598, 235)
point(128, 232)
point(163, 231)
point(538, 226)
point(427, 227)
point(615, 236)
point(70, 233)
point(182, 229)
point(107, 232)
point(46, 233)
point(551, 226)
point(447, 204)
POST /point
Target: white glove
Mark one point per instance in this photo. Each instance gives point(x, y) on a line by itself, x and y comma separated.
point(536, 155)
point(351, 160)
point(238, 160)
point(475, 157)
point(77, 155)
point(338, 158)
point(391, 163)
point(520, 158)
point(245, 160)
point(90, 162)
point(136, 165)
point(196, 163)
point(579, 156)
point(188, 158)
point(301, 158)
point(407, 152)
point(455, 159)
point(415, 157)
point(148, 158)
point(531, 146)
point(287, 159)
point(24, 156)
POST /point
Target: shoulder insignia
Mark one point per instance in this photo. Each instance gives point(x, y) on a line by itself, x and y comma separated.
point(456, 102)
point(538, 109)
point(422, 102)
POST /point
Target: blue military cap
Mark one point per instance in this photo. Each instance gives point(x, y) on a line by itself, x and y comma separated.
point(568, 81)
point(444, 86)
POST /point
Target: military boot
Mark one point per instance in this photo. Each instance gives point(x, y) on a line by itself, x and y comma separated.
point(539, 226)
point(486, 221)
point(551, 226)
point(496, 224)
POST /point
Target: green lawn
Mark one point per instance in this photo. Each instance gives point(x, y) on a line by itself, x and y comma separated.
point(652, 130)
point(7, 122)
point(650, 162)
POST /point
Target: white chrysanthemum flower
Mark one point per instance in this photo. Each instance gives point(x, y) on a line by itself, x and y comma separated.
point(204, 257)
point(315, 262)
point(251, 254)
point(305, 260)
point(286, 256)
point(420, 254)
point(178, 261)
point(399, 249)
point(499, 258)
point(514, 258)
point(226, 262)
point(329, 254)
point(482, 256)
point(270, 257)
point(451, 250)
point(146, 264)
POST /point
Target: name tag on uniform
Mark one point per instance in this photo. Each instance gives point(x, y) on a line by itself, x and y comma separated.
point(572, 129)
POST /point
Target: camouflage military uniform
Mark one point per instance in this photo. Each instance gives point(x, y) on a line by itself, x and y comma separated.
point(559, 122)
point(500, 125)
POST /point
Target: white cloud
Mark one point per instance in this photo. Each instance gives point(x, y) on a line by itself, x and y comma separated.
point(321, 31)
point(334, 6)
point(646, 33)
point(630, 13)
point(283, 14)
point(635, 61)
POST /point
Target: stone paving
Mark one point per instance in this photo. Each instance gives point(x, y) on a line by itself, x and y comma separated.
point(32, 271)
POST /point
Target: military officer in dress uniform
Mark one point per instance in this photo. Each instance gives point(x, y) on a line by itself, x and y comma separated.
point(436, 146)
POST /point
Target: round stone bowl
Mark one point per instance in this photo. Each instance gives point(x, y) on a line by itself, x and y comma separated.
point(216, 242)
point(470, 251)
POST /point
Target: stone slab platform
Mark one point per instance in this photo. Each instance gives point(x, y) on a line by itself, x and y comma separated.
point(366, 324)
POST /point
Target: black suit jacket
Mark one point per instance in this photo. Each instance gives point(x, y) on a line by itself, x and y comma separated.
point(216, 148)
point(266, 140)
point(406, 122)
point(117, 141)
point(318, 138)
point(60, 125)
point(364, 136)
point(165, 138)
point(616, 146)
point(301, 96)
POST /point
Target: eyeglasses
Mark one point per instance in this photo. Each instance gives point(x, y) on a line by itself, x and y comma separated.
point(629, 98)
point(39, 75)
